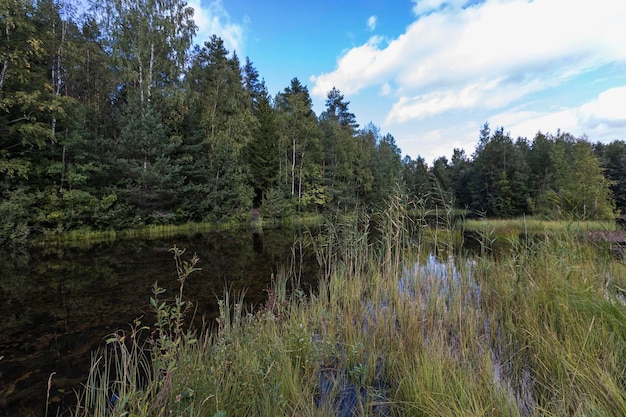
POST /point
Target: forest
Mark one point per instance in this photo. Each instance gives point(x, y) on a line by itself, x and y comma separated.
point(112, 118)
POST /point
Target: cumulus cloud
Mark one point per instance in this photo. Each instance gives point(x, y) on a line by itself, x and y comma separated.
point(358, 68)
point(490, 54)
point(428, 6)
point(213, 19)
point(371, 22)
point(606, 111)
point(601, 118)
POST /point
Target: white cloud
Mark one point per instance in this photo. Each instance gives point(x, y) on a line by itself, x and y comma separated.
point(608, 109)
point(357, 69)
point(371, 22)
point(600, 119)
point(489, 55)
point(428, 6)
point(213, 19)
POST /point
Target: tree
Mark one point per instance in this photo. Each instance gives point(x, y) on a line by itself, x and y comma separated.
point(498, 182)
point(261, 153)
point(344, 166)
point(460, 175)
point(149, 41)
point(337, 110)
point(584, 190)
point(613, 160)
point(441, 172)
point(148, 177)
point(220, 125)
point(416, 178)
point(31, 106)
point(299, 142)
point(387, 167)
point(542, 174)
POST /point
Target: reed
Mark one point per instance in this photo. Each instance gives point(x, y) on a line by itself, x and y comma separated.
point(395, 330)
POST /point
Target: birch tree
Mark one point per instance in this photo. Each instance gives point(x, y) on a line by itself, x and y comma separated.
point(149, 40)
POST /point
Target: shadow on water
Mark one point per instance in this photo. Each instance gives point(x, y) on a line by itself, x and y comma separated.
point(59, 304)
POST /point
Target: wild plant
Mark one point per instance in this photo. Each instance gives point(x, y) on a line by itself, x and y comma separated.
point(134, 372)
point(392, 330)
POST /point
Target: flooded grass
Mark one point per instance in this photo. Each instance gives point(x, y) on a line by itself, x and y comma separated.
point(393, 330)
point(84, 237)
point(530, 225)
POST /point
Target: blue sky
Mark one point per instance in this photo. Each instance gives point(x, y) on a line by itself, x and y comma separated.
point(432, 72)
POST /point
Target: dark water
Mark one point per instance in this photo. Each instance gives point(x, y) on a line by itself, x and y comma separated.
point(58, 304)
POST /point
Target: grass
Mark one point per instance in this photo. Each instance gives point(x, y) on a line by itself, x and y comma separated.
point(82, 237)
point(391, 330)
point(531, 225)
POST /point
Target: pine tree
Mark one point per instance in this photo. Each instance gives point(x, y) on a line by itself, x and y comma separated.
point(300, 147)
point(221, 125)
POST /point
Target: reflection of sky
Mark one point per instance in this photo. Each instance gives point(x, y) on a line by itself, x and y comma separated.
point(436, 277)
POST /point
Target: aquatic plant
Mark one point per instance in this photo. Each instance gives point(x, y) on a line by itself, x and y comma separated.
point(391, 330)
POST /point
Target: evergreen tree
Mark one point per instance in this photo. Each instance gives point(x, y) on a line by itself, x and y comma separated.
point(499, 177)
point(148, 177)
point(343, 164)
point(299, 145)
point(221, 124)
point(262, 153)
point(416, 178)
point(460, 177)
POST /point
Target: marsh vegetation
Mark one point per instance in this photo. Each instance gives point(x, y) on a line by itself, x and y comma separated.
point(391, 330)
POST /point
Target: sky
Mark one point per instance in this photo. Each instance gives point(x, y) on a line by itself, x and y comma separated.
point(432, 72)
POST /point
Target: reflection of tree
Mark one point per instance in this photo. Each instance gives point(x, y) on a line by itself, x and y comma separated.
point(60, 302)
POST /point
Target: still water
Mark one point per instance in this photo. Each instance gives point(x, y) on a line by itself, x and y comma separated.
point(58, 304)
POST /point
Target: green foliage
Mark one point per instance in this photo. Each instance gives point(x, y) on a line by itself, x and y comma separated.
point(15, 227)
point(262, 152)
point(147, 177)
point(111, 120)
point(499, 180)
point(299, 138)
point(221, 125)
point(613, 160)
point(276, 205)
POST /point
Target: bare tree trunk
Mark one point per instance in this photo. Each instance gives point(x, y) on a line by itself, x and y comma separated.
point(150, 71)
point(293, 166)
point(3, 73)
point(300, 179)
point(56, 71)
point(140, 82)
point(5, 64)
point(62, 169)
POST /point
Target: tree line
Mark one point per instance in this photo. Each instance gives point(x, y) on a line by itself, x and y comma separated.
point(112, 118)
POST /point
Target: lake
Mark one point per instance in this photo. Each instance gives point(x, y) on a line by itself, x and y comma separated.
point(60, 303)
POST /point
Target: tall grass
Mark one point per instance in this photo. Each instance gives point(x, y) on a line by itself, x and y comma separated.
point(391, 330)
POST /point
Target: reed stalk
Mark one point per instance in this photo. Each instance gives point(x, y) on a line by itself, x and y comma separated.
point(396, 328)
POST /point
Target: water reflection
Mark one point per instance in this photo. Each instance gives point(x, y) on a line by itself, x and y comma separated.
point(60, 303)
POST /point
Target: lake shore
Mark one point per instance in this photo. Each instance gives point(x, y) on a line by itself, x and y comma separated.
point(392, 330)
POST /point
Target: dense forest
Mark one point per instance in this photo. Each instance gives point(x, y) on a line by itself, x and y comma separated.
point(112, 118)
